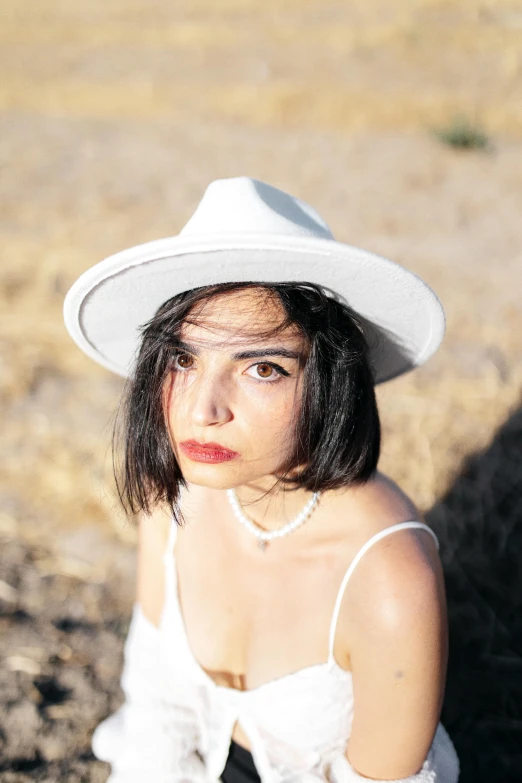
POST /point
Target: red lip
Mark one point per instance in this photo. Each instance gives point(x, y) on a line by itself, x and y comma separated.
point(207, 452)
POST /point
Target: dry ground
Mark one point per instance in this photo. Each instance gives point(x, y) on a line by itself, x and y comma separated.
point(113, 118)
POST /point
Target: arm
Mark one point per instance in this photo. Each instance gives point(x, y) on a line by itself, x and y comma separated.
point(154, 735)
point(399, 657)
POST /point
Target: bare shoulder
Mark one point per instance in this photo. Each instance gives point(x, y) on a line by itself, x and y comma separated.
point(152, 542)
point(400, 571)
point(154, 528)
point(381, 504)
point(153, 538)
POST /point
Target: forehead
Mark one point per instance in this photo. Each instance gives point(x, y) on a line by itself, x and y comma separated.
point(238, 317)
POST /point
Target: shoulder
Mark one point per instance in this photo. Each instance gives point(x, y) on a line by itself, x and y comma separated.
point(153, 538)
point(381, 504)
point(152, 542)
point(154, 528)
point(380, 501)
point(399, 575)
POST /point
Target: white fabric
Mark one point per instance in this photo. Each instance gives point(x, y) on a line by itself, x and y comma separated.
point(176, 723)
point(245, 230)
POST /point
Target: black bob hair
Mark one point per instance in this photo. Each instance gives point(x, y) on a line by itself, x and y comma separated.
point(337, 434)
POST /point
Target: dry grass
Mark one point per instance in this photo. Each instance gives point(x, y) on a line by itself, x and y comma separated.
point(350, 66)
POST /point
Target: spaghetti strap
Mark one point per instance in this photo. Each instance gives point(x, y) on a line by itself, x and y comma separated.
point(353, 564)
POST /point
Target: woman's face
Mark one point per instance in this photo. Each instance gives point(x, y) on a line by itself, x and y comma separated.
point(247, 404)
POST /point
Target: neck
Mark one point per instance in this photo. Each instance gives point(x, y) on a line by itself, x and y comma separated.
point(272, 510)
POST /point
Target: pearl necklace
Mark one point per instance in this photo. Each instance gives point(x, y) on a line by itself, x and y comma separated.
point(262, 535)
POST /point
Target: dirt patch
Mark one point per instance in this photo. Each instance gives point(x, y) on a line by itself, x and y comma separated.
point(61, 641)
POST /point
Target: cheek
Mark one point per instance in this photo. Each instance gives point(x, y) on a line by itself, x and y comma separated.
point(271, 413)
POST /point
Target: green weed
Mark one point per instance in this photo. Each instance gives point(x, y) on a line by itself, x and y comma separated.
point(462, 134)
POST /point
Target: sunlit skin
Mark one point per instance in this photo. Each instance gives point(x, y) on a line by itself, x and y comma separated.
point(248, 406)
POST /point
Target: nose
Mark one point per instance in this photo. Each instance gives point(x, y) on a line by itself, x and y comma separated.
point(209, 401)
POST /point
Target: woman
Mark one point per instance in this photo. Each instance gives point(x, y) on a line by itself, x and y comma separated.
point(253, 342)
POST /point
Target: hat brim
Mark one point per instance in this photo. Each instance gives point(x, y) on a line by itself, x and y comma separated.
point(108, 304)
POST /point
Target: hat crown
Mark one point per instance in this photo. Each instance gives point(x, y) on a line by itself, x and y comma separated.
point(247, 206)
point(244, 230)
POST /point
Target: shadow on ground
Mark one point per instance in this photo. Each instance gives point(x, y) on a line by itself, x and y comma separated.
point(479, 525)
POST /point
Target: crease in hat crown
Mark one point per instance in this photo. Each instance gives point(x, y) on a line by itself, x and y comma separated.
point(246, 205)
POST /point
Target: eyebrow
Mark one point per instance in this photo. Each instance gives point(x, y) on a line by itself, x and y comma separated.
point(237, 357)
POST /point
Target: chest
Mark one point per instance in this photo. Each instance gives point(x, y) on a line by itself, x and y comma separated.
point(249, 621)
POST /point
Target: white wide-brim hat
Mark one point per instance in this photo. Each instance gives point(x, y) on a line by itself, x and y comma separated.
point(246, 230)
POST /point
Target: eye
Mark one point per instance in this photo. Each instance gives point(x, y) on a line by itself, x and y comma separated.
point(181, 357)
point(273, 372)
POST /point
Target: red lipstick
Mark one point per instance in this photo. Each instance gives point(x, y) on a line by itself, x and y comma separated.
point(207, 452)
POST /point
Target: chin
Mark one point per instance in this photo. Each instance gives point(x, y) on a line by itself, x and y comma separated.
point(213, 479)
point(208, 477)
